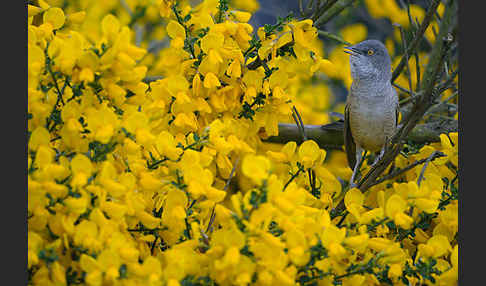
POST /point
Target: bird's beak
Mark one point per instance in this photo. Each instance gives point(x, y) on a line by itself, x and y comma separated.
point(352, 51)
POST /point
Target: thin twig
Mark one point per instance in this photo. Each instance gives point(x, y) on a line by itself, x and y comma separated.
point(333, 37)
point(139, 31)
point(298, 121)
point(427, 161)
point(153, 245)
point(417, 69)
point(232, 173)
point(401, 88)
point(124, 4)
point(225, 188)
point(148, 79)
point(412, 23)
point(407, 168)
point(292, 178)
point(409, 99)
point(308, 9)
point(321, 10)
point(450, 80)
point(409, 75)
point(332, 10)
point(418, 37)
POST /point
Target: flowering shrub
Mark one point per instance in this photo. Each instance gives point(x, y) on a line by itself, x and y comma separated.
point(136, 181)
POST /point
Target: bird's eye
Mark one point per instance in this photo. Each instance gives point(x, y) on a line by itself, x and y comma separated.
point(370, 52)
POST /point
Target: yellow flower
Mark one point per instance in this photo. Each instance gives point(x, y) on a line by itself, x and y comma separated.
point(395, 207)
point(39, 137)
point(450, 146)
point(33, 10)
point(241, 16)
point(255, 167)
point(211, 44)
point(304, 32)
point(110, 26)
point(358, 242)
point(54, 16)
point(175, 30)
point(439, 245)
point(155, 182)
point(332, 234)
point(354, 33)
point(310, 154)
point(395, 271)
point(211, 81)
point(77, 17)
point(332, 185)
point(77, 205)
point(327, 67)
point(148, 220)
point(234, 69)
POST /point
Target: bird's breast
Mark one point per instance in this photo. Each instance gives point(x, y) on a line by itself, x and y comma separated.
point(371, 122)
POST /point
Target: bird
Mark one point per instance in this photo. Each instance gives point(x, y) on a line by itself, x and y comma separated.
point(372, 108)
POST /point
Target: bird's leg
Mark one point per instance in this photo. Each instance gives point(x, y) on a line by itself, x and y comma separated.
point(382, 152)
point(359, 157)
point(379, 156)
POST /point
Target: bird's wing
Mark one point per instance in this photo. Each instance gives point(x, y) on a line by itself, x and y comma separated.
point(349, 144)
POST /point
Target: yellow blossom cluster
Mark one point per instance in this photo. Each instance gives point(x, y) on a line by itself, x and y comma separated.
point(133, 181)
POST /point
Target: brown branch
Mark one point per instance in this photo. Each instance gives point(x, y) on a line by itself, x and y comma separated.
point(330, 136)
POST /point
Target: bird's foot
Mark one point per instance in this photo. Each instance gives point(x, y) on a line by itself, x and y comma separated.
point(378, 158)
point(352, 185)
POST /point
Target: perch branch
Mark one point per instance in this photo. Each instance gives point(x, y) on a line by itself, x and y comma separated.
point(330, 136)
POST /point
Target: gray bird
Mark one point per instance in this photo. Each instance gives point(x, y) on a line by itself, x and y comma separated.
point(371, 111)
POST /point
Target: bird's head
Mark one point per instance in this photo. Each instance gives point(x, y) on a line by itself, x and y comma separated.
point(369, 60)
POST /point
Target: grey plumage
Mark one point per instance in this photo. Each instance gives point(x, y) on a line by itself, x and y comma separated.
point(371, 110)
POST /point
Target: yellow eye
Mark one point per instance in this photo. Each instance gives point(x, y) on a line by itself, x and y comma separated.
point(370, 52)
